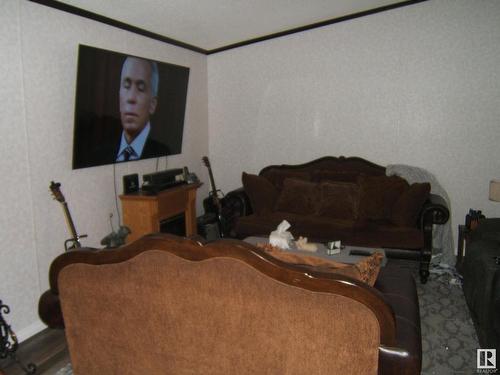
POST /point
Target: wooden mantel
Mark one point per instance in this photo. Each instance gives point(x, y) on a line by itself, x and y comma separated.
point(142, 212)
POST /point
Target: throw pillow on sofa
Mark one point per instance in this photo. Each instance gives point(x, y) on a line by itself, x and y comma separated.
point(377, 195)
point(298, 197)
point(339, 200)
point(407, 208)
point(278, 176)
point(261, 192)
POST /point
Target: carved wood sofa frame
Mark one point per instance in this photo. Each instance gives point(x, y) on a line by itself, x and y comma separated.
point(434, 211)
point(176, 257)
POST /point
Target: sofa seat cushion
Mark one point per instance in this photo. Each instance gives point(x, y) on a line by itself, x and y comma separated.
point(319, 228)
point(256, 225)
point(311, 226)
point(382, 234)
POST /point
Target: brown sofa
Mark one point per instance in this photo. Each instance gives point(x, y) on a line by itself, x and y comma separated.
point(347, 199)
point(168, 305)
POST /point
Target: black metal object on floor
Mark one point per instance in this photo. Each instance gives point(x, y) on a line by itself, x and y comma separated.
point(9, 343)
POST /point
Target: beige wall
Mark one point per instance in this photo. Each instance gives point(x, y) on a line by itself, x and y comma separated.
point(418, 85)
point(39, 47)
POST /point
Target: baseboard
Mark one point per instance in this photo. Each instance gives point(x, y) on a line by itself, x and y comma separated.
point(30, 331)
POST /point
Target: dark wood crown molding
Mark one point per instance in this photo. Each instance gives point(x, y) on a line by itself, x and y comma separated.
point(124, 26)
point(316, 25)
point(121, 25)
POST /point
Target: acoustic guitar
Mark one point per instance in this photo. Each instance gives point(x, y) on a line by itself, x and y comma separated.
point(214, 195)
point(74, 241)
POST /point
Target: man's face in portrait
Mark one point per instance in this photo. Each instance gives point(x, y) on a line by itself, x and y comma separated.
point(137, 102)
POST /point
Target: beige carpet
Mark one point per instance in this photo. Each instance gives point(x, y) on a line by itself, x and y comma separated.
point(449, 341)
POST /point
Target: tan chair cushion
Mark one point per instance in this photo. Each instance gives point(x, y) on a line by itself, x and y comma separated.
point(159, 314)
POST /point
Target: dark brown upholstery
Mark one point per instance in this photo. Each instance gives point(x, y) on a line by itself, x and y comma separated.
point(166, 305)
point(277, 177)
point(347, 199)
point(399, 290)
point(407, 207)
point(309, 225)
point(338, 176)
point(339, 200)
point(298, 197)
point(385, 234)
point(378, 195)
point(262, 193)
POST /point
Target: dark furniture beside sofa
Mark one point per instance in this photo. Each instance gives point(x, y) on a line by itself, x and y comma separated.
point(169, 305)
point(348, 199)
point(481, 281)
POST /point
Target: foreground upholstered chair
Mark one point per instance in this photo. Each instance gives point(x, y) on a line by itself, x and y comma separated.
point(168, 305)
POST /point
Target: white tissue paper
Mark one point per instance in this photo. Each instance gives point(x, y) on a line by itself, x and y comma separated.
point(281, 237)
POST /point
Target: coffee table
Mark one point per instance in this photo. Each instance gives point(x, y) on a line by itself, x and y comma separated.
point(348, 254)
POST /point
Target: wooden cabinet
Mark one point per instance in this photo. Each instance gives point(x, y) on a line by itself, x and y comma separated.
point(143, 213)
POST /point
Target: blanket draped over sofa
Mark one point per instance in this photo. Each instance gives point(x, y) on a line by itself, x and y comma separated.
point(442, 235)
point(170, 305)
point(348, 199)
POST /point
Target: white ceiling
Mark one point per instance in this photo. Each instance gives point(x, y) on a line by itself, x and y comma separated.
point(211, 24)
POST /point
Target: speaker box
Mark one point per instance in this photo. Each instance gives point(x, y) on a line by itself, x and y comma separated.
point(130, 183)
point(208, 227)
point(210, 231)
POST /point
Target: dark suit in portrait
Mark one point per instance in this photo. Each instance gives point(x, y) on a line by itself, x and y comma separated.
point(106, 150)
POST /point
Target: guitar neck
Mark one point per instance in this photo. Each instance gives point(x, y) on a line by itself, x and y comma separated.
point(212, 181)
point(71, 225)
point(215, 196)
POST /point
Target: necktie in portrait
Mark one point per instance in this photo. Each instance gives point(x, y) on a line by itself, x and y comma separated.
point(128, 152)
